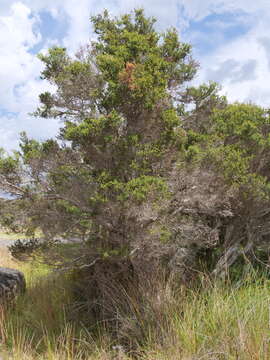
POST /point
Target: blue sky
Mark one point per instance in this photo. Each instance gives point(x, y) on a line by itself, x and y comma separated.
point(229, 37)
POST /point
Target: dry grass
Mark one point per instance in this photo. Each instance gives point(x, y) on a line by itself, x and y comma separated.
point(6, 259)
point(217, 322)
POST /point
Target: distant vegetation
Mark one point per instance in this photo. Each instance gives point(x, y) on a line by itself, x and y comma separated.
point(167, 186)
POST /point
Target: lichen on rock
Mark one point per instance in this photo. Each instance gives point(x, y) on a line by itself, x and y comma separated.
point(12, 283)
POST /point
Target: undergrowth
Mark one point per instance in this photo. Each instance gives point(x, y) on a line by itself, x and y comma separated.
point(215, 321)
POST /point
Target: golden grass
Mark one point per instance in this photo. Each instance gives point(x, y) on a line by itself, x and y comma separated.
point(6, 259)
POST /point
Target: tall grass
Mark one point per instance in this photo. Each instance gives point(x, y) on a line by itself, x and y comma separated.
point(215, 321)
point(221, 322)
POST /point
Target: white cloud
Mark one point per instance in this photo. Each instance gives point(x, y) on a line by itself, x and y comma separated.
point(242, 66)
point(19, 71)
point(80, 28)
point(8, 137)
point(198, 9)
point(16, 63)
point(11, 127)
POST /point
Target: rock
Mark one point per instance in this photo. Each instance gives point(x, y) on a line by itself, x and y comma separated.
point(12, 283)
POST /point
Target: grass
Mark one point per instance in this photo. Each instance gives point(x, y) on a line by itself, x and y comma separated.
point(217, 321)
point(222, 323)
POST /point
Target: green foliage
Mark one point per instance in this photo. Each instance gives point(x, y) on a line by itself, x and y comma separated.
point(8, 169)
point(236, 144)
point(171, 118)
point(96, 130)
point(138, 63)
point(8, 165)
point(193, 153)
point(139, 188)
point(244, 124)
point(55, 61)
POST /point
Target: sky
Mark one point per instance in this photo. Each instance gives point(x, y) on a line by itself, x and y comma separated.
point(229, 37)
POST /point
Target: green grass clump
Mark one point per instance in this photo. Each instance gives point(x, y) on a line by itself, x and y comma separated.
point(222, 322)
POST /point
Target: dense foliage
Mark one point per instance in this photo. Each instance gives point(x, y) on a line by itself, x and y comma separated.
point(146, 169)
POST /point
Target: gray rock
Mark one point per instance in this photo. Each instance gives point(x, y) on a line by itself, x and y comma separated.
point(12, 283)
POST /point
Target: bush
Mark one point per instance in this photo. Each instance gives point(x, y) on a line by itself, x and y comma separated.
point(24, 248)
